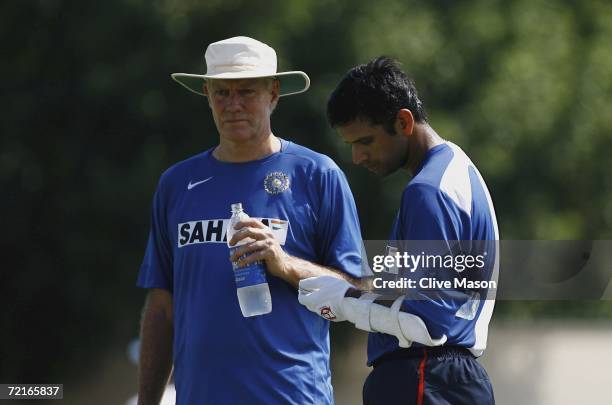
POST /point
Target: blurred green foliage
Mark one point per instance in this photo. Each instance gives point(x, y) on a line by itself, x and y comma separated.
point(91, 119)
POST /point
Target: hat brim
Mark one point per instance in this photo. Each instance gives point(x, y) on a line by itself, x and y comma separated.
point(293, 82)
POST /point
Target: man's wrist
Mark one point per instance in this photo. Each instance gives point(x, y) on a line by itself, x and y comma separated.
point(290, 268)
point(353, 293)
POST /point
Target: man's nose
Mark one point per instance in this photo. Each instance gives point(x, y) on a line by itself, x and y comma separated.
point(234, 101)
point(358, 155)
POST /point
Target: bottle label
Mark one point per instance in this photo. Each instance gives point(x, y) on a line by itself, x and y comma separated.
point(253, 274)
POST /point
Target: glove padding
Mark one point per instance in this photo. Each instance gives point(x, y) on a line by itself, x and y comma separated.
point(406, 327)
point(323, 295)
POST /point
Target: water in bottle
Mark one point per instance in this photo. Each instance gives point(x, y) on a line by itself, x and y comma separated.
point(251, 283)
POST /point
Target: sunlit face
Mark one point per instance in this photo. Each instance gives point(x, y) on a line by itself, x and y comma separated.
point(374, 148)
point(241, 108)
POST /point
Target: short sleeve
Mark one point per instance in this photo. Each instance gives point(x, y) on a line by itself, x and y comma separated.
point(338, 233)
point(429, 223)
point(156, 268)
point(427, 214)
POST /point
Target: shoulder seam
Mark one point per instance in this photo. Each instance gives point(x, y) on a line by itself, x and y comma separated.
point(437, 190)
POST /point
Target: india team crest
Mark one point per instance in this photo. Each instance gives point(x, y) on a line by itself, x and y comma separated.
point(276, 183)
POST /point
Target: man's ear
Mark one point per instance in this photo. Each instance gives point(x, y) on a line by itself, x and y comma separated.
point(404, 122)
point(276, 89)
point(275, 93)
point(205, 91)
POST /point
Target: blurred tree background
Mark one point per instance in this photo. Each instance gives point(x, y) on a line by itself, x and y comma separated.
point(91, 118)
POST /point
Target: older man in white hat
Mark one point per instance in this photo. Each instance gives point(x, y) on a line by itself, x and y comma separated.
point(304, 224)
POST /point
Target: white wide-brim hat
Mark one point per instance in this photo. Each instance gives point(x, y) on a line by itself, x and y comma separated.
point(242, 58)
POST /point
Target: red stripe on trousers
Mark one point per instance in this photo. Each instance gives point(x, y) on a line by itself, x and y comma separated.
point(422, 378)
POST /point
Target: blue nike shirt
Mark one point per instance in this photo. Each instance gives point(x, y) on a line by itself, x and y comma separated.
point(447, 201)
point(220, 357)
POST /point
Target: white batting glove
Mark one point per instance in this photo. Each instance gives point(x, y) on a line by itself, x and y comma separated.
point(323, 295)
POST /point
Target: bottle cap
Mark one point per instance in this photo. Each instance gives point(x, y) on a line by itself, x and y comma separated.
point(236, 207)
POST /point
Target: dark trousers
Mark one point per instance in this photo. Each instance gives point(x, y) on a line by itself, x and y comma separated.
point(428, 376)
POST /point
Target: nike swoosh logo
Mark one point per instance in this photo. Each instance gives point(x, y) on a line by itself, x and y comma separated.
point(197, 183)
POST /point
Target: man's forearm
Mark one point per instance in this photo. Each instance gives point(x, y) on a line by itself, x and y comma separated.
point(365, 285)
point(155, 355)
point(297, 269)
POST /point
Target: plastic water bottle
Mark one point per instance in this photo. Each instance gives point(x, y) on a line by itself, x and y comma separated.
point(251, 283)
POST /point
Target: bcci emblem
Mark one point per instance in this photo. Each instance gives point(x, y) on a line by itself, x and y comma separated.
point(276, 183)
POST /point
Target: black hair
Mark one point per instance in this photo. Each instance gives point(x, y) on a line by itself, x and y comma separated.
point(375, 92)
